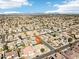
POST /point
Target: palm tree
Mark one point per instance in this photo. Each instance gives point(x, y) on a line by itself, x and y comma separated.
point(21, 40)
point(18, 50)
point(5, 47)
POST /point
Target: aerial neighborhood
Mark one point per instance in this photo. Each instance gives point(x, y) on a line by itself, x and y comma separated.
point(39, 36)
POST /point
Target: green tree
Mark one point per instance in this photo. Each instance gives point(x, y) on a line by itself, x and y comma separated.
point(42, 49)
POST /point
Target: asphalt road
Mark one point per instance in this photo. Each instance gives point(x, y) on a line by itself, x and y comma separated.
point(50, 47)
point(54, 51)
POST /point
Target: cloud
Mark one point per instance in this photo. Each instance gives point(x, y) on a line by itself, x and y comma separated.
point(6, 4)
point(10, 12)
point(72, 6)
point(49, 4)
point(50, 12)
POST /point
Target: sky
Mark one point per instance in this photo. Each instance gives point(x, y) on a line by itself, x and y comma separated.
point(39, 6)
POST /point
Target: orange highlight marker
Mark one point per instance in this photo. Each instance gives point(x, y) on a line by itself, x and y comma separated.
point(38, 39)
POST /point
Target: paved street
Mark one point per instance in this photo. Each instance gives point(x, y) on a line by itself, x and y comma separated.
point(54, 51)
